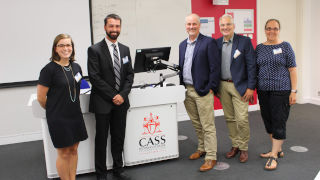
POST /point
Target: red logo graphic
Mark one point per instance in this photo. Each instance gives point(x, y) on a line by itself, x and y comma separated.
point(151, 125)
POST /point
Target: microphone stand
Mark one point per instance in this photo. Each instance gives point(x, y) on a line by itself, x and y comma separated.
point(162, 77)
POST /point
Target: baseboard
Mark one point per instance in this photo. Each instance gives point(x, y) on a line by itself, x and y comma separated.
point(318, 176)
point(184, 116)
point(19, 138)
point(255, 107)
point(315, 101)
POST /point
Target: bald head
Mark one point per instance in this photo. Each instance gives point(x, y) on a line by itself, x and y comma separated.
point(193, 26)
point(193, 16)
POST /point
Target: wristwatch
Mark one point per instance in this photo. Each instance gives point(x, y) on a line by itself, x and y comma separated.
point(294, 90)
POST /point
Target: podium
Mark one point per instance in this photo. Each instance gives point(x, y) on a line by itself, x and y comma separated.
point(151, 130)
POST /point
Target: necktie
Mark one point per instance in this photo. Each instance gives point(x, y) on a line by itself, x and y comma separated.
point(116, 66)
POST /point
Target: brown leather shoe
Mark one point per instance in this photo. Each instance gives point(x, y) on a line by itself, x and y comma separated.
point(233, 152)
point(197, 155)
point(243, 156)
point(208, 164)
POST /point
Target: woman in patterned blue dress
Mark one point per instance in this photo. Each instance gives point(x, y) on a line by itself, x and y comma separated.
point(277, 88)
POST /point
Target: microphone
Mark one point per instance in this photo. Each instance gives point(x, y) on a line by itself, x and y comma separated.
point(174, 66)
point(155, 58)
point(170, 75)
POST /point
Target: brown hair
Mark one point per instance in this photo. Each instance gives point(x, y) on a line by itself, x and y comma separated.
point(55, 56)
point(269, 20)
point(111, 16)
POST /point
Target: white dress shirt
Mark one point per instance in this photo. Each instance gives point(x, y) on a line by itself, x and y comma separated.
point(109, 43)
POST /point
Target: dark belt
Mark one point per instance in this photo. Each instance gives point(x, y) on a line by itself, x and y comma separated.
point(227, 80)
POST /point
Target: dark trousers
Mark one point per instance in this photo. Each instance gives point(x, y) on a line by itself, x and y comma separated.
point(116, 120)
point(275, 108)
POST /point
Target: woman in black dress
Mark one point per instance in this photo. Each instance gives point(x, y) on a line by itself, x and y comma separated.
point(58, 93)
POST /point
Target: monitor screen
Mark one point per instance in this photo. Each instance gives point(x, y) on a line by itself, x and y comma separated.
point(145, 59)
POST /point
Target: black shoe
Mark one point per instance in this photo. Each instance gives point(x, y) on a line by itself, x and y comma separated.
point(101, 176)
point(121, 176)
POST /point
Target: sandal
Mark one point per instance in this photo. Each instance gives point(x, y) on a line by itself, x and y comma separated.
point(267, 154)
point(269, 162)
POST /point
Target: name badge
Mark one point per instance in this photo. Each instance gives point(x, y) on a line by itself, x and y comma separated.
point(125, 60)
point(77, 77)
point(277, 51)
point(236, 54)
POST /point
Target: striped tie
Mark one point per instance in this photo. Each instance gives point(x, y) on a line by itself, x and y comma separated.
point(116, 66)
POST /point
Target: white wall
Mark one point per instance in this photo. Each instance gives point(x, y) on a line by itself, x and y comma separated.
point(308, 27)
point(314, 62)
point(304, 38)
point(17, 123)
point(285, 12)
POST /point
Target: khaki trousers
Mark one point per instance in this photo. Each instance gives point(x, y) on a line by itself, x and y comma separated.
point(236, 115)
point(200, 111)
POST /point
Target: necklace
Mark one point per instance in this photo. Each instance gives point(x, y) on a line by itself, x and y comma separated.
point(74, 82)
point(67, 68)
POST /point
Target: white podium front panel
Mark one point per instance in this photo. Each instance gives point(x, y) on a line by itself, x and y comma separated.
point(151, 134)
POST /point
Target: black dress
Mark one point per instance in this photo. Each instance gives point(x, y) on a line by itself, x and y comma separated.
point(64, 117)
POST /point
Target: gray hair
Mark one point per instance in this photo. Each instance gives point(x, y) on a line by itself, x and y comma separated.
point(226, 16)
point(193, 14)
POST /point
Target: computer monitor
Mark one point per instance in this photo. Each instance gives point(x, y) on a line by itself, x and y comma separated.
point(146, 59)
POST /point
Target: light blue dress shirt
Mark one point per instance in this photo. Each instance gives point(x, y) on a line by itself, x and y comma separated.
point(187, 76)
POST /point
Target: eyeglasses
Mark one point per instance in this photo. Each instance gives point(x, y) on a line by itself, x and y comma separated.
point(64, 45)
point(272, 29)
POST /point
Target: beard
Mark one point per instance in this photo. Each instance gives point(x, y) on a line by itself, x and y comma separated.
point(113, 37)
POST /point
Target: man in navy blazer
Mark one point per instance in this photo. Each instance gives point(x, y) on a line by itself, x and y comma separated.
point(238, 81)
point(200, 73)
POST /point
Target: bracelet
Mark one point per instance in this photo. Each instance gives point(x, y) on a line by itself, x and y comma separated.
point(294, 91)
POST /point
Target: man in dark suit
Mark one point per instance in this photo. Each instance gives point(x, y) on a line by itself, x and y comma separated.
point(238, 81)
point(111, 75)
point(200, 73)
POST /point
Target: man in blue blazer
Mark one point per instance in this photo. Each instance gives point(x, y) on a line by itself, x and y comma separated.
point(200, 73)
point(238, 81)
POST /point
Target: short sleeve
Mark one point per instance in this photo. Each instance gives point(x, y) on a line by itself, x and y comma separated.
point(45, 77)
point(290, 57)
point(78, 69)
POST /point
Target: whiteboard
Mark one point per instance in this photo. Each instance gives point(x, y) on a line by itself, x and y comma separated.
point(145, 24)
point(28, 29)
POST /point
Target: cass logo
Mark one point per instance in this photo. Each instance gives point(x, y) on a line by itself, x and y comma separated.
point(151, 125)
point(152, 137)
